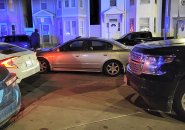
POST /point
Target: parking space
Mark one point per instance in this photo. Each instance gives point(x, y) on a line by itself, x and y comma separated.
point(85, 101)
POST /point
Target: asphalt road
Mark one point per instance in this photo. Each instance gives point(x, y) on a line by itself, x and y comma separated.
point(85, 101)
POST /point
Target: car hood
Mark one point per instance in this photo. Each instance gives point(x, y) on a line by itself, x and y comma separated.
point(164, 47)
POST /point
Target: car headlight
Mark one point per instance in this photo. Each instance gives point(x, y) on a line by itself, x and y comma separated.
point(152, 64)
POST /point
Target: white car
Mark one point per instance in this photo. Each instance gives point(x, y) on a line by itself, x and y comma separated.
point(18, 60)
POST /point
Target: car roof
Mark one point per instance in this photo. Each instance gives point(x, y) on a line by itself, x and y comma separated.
point(98, 39)
point(17, 35)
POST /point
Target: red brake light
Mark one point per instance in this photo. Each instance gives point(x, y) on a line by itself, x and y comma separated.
point(8, 63)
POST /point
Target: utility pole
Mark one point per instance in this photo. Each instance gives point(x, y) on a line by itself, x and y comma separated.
point(167, 18)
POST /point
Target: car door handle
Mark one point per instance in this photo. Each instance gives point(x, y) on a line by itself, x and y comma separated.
point(76, 56)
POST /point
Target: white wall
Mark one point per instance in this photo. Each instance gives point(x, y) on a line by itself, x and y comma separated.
point(95, 31)
point(146, 11)
point(105, 5)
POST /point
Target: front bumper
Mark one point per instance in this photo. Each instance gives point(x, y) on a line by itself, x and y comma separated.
point(158, 94)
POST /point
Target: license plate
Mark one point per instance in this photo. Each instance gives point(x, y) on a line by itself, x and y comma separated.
point(28, 63)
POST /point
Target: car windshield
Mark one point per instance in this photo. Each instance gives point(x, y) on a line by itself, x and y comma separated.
point(9, 49)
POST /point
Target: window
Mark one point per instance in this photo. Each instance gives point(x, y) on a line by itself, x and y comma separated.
point(10, 49)
point(155, 1)
point(72, 3)
point(13, 29)
point(67, 28)
point(81, 28)
point(154, 24)
point(3, 29)
point(145, 1)
point(144, 24)
point(2, 4)
point(73, 27)
point(113, 3)
point(81, 3)
point(61, 29)
point(59, 4)
point(73, 46)
point(11, 5)
point(99, 45)
point(43, 5)
point(66, 3)
point(131, 2)
point(132, 25)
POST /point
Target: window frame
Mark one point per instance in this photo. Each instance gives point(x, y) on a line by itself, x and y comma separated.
point(143, 3)
point(43, 2)
point(4, 3)
point(143, 25)
point(132, 2)
point(59, 4)
point(65, 4)
point(81, 3)
point(113, 3)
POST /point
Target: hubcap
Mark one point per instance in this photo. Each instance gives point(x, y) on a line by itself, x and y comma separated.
point(113, 68)
point(183, 101)
point(43, 66)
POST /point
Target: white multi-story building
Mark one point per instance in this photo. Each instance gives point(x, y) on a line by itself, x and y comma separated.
point(148, 16)
point(113, 18)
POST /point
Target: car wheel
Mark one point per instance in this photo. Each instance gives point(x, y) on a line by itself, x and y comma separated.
point(179, 103)
point(44, 65)
point(112, 68)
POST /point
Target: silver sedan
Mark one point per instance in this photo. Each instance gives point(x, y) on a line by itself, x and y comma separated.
point(86, 54)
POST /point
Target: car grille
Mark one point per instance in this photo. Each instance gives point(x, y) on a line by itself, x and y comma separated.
point(136, 56)
point(135, 62)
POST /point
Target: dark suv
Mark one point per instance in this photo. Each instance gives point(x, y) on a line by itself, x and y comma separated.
point(156, 71)
point(19, 40)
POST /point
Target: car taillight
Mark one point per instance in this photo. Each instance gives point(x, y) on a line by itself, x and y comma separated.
point(8, 63)
point(11, 80)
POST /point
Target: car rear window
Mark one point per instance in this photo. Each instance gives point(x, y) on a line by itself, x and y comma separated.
point(16, 39)
point(9, 49)
point(22, 38)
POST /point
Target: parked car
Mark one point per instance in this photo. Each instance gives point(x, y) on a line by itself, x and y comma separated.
point(86, 54)
point(18, 60)
point(134, 38)
point(10, 97)
point(19, 40)
point(156, 70)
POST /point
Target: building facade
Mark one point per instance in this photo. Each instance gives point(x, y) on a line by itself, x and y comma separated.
point(148, 16)
point(12, 19)
point(177, 19)
point(113, 18)
point(60, 20)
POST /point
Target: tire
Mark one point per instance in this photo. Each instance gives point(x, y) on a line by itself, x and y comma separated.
point(112, 68)
point(44, 66)
point(179, 103)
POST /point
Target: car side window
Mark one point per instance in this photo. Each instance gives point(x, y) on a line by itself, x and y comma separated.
point(100, 45)
point(72, 46)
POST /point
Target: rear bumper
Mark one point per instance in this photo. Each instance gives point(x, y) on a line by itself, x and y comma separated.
point(21, 74)
point(157, 94)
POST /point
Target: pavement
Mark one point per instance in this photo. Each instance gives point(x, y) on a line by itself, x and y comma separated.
point(86, 101)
